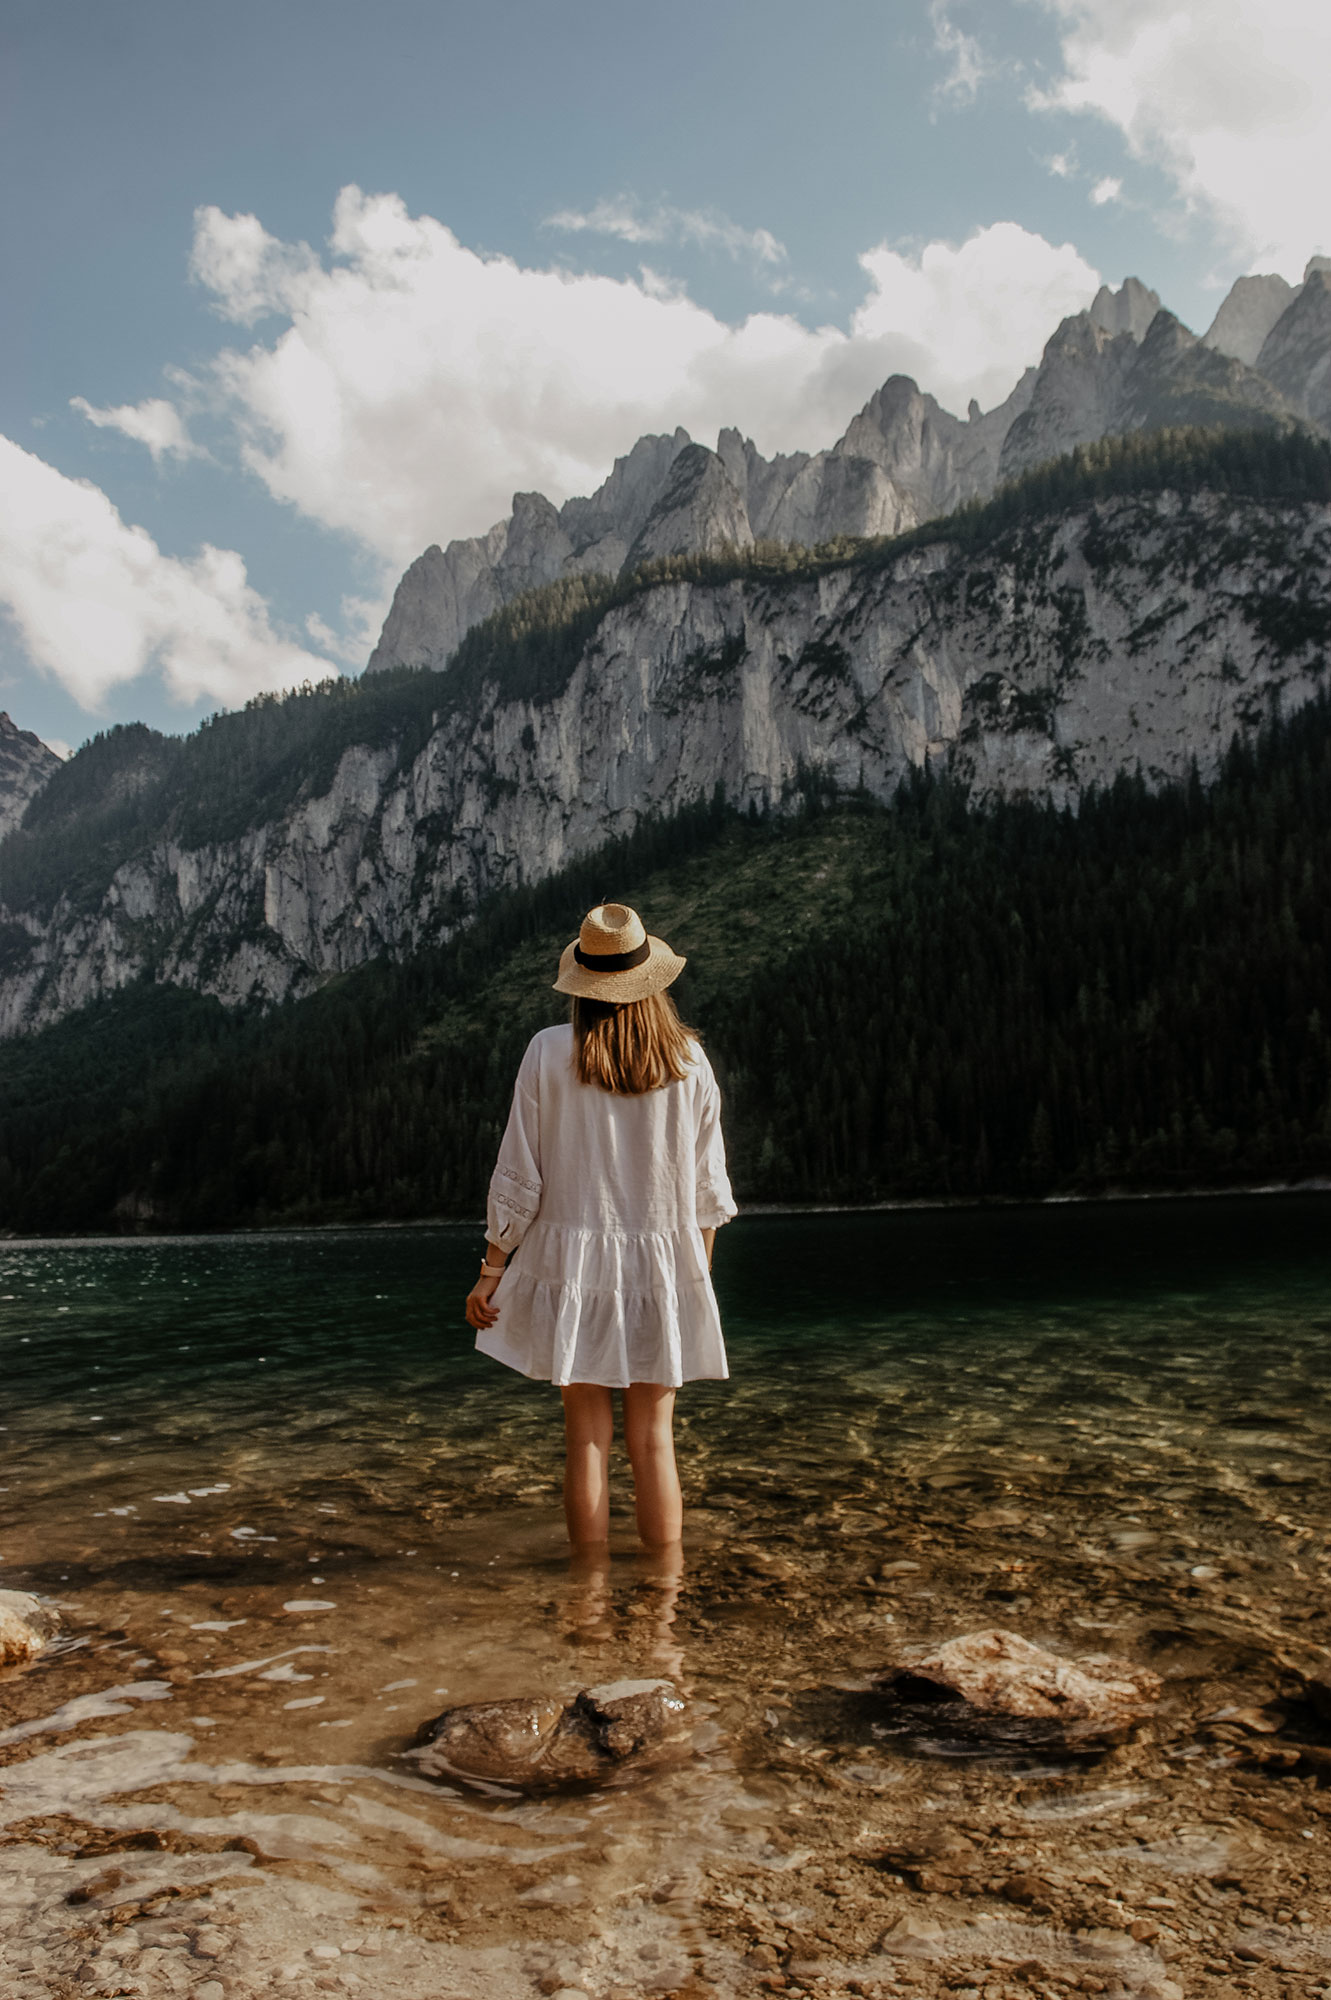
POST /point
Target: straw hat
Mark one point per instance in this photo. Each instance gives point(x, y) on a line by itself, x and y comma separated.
point(614, 959)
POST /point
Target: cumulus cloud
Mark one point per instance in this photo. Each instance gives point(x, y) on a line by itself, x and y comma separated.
point(1107, 189)
point(1228, 97)
point(96, 602)
point(630, 223)
point(414, 384)
point(974, 315)
point(156, 423)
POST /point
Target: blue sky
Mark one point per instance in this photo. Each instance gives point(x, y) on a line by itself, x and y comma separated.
point(556, 227)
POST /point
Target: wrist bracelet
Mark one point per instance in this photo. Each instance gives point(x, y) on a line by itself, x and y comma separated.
point(491, 1270)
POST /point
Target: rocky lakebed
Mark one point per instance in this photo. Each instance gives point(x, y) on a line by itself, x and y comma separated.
point(967, 1683)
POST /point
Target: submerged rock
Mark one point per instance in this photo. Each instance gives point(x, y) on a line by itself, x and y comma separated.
point(1317, 1693)
point(26, 1624)
point(538, 1745)
point(997, 1687)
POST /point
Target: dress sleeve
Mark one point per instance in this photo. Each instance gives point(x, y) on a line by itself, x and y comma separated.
point(715, 1202)
point(515, 1185)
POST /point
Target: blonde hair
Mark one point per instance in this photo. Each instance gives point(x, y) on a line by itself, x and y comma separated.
point(630, 1046)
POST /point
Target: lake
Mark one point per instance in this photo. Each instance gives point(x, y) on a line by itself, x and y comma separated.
point(288, 1514)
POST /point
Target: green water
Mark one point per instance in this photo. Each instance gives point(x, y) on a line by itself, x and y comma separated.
point(288, 1360)
point(288, 1513)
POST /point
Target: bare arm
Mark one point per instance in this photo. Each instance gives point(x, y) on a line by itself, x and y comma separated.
point(480, 1313)
point(708, 1239)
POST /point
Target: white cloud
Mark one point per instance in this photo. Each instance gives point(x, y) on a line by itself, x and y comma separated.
point(362, 622)
point(967, 66)
point(96, 602)
point(416, 384)
point(1109, 188)
point(708, 230)
point(975, 315)
point(156, 423)
point(1228, 97)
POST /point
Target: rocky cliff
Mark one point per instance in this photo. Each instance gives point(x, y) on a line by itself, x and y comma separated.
point(1137, 632)
point(1124, 364)
point(25, 765)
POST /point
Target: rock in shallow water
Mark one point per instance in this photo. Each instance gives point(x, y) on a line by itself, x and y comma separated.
point(26, 1624)
point(602, 1733)
point(997, 1687)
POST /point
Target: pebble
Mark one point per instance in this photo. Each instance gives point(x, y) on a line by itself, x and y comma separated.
point(211, 1989)
point(328, 1951)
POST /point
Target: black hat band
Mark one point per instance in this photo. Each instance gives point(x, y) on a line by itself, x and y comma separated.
point(613, 961)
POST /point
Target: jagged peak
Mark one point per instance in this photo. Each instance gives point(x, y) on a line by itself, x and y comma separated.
point(1166, 336)
point(1247, 313)
point(1130, 309)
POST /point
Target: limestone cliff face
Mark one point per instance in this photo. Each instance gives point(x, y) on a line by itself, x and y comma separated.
point(1138, 633)
point(1124, 364)
point(1296, 354)
point(1250, 309)
point(1094, 383)
point(25, 765)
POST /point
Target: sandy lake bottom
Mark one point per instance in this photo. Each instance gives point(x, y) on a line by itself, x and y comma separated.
point(287, 1515)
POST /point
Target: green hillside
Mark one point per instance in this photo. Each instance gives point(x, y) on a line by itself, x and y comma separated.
point(917, 1000)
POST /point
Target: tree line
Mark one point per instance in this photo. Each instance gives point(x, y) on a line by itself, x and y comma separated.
point(932, 999)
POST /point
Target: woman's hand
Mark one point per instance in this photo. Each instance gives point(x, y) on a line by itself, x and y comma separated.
point(480, 1313)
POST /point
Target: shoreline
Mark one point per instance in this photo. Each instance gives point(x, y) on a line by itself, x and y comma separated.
point(1113, 1197)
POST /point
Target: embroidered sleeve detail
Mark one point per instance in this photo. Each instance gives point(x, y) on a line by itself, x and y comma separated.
point(502, 1199)
point(502, 1173)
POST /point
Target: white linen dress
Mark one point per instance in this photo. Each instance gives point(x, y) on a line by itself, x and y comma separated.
point(601, 1201)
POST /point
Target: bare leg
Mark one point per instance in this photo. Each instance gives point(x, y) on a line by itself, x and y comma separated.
point(655, 1600)
point(649, 1417)
point(589, 1425)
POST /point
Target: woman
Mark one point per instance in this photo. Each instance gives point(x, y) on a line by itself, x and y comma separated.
point(608, 1192)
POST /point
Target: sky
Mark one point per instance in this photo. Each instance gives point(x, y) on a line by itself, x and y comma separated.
point(294, 288)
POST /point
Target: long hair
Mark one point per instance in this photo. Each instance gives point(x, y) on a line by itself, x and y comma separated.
point(630, 1046)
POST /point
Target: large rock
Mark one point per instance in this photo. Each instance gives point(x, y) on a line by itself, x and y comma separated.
point(997, 1687)
point(604, 1733)
point(26, 1626)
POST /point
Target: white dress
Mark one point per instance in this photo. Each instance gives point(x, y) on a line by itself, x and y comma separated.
point(600, 1201)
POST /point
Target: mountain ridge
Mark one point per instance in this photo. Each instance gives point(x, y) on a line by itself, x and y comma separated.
point(1124, 363)
point(1073, 627)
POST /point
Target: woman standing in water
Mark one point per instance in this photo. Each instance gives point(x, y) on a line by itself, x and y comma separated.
point(608, 1192)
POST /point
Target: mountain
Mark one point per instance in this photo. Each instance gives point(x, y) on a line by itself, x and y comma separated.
point(1132, 607)
point(1296, 354)
point(25, 765)
point(1124, 364)
point(1093, 383)
point(1249, 311)
point(905, 1000)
